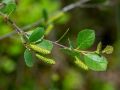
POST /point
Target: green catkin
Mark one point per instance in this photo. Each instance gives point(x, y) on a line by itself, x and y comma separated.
point(80, 63)
point(46, 60)
point(39, 49)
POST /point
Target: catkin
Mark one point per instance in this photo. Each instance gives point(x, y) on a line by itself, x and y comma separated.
point(39, 49)
point(46, 60)
point(80, 63)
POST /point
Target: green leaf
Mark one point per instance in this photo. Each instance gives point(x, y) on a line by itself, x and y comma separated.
point(46, 44)
point(85, 38)
point(28, 58)
point(95, 62)
point(37, 34)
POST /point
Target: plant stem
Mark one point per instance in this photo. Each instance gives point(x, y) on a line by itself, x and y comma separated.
point(14, 25)
point(65, 9)
point(59, 44)
point(63, 36)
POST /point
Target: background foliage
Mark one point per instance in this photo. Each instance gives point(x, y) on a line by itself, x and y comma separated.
point(103, 17)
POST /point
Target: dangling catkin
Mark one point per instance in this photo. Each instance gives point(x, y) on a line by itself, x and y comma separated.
point(80, 63)
point(46, 60)
point(39, 49)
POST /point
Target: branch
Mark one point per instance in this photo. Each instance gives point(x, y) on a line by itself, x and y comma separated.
point(80, 4)
point(74, 5)
point(65, 9)
point(18, 30)
point(14, 25)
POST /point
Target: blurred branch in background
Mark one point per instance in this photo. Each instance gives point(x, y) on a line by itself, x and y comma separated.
point(65, 9)
point(80, 4)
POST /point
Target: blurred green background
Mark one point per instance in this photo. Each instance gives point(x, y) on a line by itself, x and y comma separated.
point(101, 15)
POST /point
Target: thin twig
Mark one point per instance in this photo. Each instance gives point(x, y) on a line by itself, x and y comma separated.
point(21, 32)
point(63, 36)
point(14, 25)
point(25, 28)
point(11, 22)
point(60, 45)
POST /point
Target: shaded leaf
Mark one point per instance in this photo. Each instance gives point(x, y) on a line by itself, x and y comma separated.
point(28, 58)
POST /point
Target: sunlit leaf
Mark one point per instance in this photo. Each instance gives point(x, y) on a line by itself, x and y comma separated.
point(85, 38)
point(37, 34)
point(95, 62)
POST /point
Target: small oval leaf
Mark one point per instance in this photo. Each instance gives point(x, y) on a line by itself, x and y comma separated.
point(37, 34)
point(85, 38)
point(28, 58)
